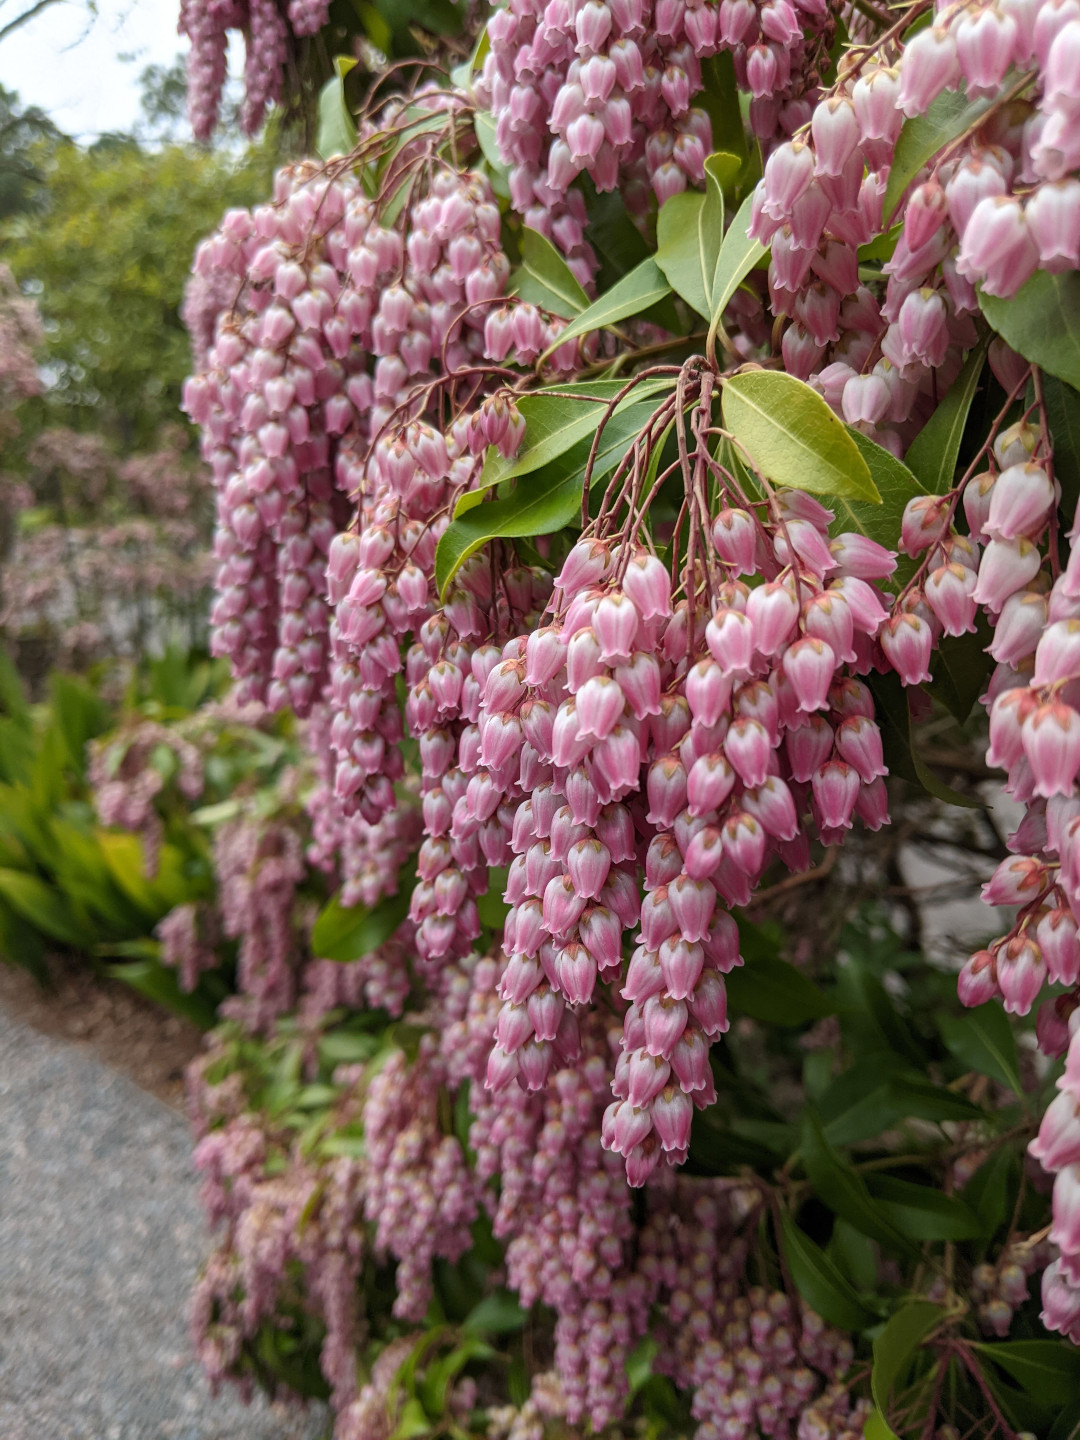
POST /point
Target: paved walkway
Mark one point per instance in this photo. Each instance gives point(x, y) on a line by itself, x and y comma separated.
point(100, 1235)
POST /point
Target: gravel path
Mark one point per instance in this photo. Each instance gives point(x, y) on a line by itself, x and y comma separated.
point(100, 1235)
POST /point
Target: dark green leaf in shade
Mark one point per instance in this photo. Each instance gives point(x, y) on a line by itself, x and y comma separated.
point(819, 1281)
point(719, 98)
point(1063, 414)
point(961, 667)
point(923, 136)
point(1042, 322)
point(1047, 1369)
point(989, 1192)
point(894, 717)
point(896, 1347)
point(983, 1040)
point(922, 1211)
point(793, 437)
point(545, 279)
point(497, 1314)
point(336, 133)
point(932, 455)
point(839, 1186)
point(776, 993)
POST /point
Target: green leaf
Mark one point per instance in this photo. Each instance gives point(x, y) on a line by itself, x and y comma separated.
point(877, 1428)
point(1063, 414)
point(45, 907)
point(933, 453)
point(160, 984)
point(877, 1091)
point(484, 125)
point(961, 667)
point(923, 136)
point(772, 991)
point(983, 1040)
point(1047, 1369)
point(894, 718)
point(989, 1191)
point(632, 295)
point(1042, 322)
point(895, 484)
point(497, 1314)
point(556, 419)
point(336, 133)
point(346, 933)
point(895, 1348)
point(536, 507)
point(842, 1189)
point(545, 279)
point(719, 98)
point(921, 1211)
point(738, 256)
point(819, 1281)
point(678, 251)
point(793, 437)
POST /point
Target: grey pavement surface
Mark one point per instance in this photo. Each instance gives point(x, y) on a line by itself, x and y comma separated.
point(100, 1236)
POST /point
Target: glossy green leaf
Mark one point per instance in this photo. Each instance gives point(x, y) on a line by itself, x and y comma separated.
point(895, 1348)
point(923, 136)
point(877, 1427)
point(921, 1211)
point(793, 437)
point(632, 295)
point(839, 1186)
point(336, 132)
point(983, 1039)
point(776, 993)
point(1047, 1369)
point(545, 279)
point(895, 484)
point(484, 125)
point(555, 420)
point(345, 933)
point(933, 453)
point(1042, 322)
point(819, 1281)
point(537, 506)
point(679, 255)
point(738, 256)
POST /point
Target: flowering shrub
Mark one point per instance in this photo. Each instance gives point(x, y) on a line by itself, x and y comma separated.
point(565, 427)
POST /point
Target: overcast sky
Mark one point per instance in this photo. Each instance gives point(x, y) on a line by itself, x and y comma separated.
point(68, 62)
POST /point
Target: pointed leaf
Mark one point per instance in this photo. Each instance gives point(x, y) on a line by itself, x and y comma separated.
point(1048, 1369)
point(774, 992)
point(895, 1348)
point(738, 256)
point(983, 1039)
point(923, 136)
point(557, 419)
point(545, 279)
point(793, 437)
point(1063, 414)
point(839, 1186)
point(632, 295)
point(1042, 322)
point(336, 134)
point(932, 454)
point(921, 1211)
point(819, 1281)
point(678, 252)
point(346, 933)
